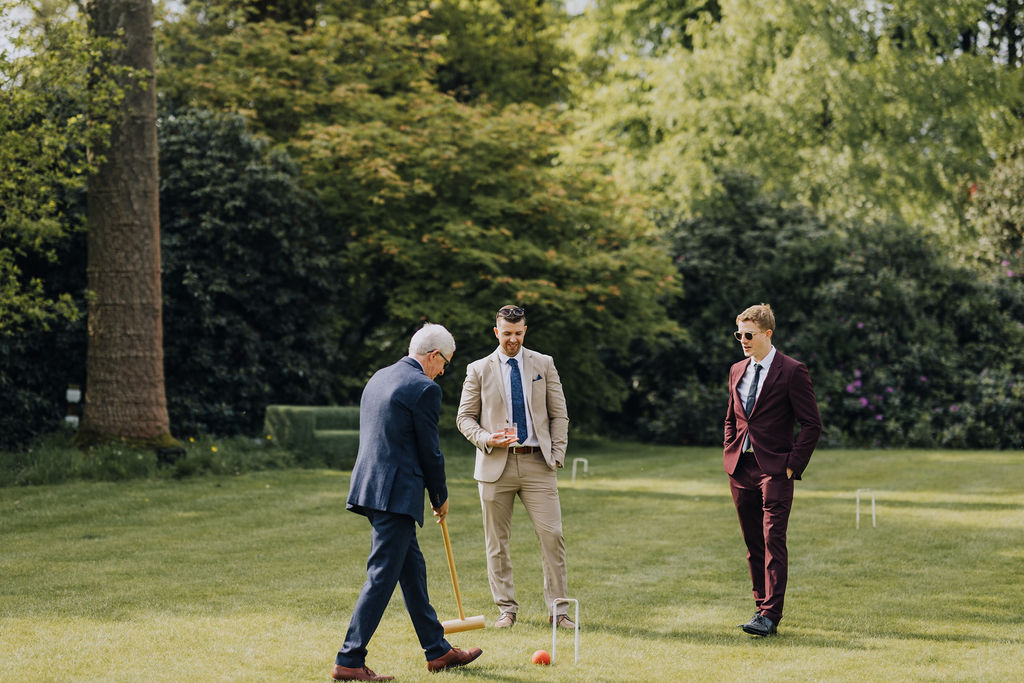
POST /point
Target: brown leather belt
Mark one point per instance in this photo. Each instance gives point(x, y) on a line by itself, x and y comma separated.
point(525, 450)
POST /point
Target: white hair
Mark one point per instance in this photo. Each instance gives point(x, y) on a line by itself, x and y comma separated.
point(432, 337)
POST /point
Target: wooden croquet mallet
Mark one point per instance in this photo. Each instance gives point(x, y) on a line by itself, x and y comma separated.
point(462, 623)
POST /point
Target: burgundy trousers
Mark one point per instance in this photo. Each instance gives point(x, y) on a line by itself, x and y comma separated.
point(763, 503)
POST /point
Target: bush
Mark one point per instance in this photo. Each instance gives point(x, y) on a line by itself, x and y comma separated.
point(906, 346)
point(39, 361)
point(54, 459)
point(247, 286)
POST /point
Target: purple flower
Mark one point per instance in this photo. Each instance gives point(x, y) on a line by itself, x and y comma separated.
point(857, 383)
point(889, 390)
point(850, 388)
point(1005, 263)
point(954, 408)
point(856, 373)
point(863, 401)
point(842, 319)
point(878, 417)
point(923, 378)
point(1009, 273)
point(860, 326)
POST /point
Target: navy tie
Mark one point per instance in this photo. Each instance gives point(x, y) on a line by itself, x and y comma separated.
point(752, 394)
point(518, 401)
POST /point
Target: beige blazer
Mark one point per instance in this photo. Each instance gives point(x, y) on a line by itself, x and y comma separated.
point(483, 410)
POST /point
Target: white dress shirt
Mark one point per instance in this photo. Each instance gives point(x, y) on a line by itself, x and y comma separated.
point(506, 377)
point(748, 379)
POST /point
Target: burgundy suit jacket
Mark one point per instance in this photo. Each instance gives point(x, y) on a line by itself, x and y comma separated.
point(787, 396)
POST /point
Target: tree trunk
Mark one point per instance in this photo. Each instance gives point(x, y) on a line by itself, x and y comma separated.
point(124, 368)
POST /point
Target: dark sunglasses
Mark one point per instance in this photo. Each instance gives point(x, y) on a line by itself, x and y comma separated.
point(511, 312)
point(740, 336)
point(446, 361)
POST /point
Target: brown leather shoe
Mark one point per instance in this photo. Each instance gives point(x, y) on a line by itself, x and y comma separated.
point(344, 673)
point(506, 620)
point(564, 621)
point(455, 657)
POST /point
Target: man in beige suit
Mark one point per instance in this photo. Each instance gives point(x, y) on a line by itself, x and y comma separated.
point(517, 386)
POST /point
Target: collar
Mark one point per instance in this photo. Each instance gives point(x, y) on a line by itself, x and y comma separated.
point(765, 362)
point(503, 359)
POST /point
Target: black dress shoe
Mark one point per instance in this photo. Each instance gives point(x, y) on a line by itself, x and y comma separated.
point(756, 615)
point(760, 625)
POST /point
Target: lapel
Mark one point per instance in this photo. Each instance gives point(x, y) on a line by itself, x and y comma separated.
point(773, 374)
point(496, 380)
point(528, 375)
point(740, 371)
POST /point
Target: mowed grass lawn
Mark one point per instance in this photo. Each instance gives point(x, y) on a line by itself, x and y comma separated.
point(253, 577)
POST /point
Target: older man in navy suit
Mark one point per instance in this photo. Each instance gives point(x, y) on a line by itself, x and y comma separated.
point(769, 393)
point(399, 456)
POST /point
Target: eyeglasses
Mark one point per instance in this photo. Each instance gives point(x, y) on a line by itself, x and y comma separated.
point(740, 336)
point(511, 312)
point(446, 361)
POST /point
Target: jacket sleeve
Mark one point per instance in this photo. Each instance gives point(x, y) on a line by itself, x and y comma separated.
point(558, 416)
point(470, 407)
point(425, 418)
point(805, 410)
point(730, 418)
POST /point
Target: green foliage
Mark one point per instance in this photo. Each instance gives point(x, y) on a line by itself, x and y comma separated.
point(502, 50)
point(56, 98)
point(249, 285)
point(281, 76)
point(997, 212)
point(322, 435)
point(820, 99)
point(55, 459)
point(450, 231)
point(647, 25)
point(905, 345)
point(437, 209)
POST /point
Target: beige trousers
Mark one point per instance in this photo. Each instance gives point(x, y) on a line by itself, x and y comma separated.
point(529, 477)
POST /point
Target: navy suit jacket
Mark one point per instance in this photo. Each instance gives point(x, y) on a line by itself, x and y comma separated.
point(399, 454)
point(786, 397)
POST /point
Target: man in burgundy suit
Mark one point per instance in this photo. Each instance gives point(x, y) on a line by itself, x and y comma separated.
point(768, 392)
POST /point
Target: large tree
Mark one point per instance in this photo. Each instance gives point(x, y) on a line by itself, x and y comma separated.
point(438, 206)
point(124, 370)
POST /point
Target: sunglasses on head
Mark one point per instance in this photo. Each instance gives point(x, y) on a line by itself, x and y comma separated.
point(740, 336)
point(511, 312)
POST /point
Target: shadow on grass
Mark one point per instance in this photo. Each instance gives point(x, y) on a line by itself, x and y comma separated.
point(799, 637)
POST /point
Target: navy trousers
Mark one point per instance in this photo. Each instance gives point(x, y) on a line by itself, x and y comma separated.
point(395, 559)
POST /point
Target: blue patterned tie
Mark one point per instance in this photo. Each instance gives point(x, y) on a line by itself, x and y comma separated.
point(518, 401)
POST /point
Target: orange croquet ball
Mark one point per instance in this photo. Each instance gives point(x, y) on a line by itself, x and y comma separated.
point(541, 657)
